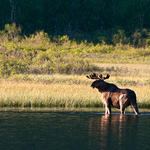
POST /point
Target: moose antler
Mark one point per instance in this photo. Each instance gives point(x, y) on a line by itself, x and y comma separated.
point(92, 76)
point(96, 76)
point(107, 76)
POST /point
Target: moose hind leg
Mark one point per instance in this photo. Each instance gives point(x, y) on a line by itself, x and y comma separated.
point(135, 108)
point(122, 105)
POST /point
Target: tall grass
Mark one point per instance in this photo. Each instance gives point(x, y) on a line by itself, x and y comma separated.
point(46, 95)
point(67, 91)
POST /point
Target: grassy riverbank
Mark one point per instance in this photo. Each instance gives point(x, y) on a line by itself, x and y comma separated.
point(72, 90)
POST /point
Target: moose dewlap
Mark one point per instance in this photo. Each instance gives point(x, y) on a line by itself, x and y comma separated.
point(112, 95)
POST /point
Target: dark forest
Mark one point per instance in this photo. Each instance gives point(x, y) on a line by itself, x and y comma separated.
point(79, 19)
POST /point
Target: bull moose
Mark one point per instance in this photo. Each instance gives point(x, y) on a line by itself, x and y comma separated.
point(112, 95)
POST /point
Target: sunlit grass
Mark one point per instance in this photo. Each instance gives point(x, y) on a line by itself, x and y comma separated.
point(51, 95)
point(67, 91)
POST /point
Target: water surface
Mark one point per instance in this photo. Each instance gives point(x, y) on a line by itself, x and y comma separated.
point(58, 130)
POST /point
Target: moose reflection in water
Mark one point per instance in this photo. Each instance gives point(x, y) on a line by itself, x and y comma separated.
point(112, 95)
point(114, 131)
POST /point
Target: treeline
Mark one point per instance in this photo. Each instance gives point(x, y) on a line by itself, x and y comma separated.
point(92, 20)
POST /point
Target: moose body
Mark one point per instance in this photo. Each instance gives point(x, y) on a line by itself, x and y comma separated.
point(114, 96)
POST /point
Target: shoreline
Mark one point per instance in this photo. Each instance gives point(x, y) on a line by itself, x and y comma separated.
point(97, 111)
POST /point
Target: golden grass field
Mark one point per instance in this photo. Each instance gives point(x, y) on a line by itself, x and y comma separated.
point(71, 91)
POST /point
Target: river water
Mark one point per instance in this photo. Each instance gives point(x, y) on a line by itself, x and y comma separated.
point(48, 130)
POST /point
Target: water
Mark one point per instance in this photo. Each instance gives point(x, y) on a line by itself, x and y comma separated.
point(37, 130)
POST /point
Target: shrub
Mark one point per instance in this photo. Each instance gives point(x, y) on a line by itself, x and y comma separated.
point(11, 33)
point(120, 38)
point(59, 62)
point(141, 38)
point(13, 61)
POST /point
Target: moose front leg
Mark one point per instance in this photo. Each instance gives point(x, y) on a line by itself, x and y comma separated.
point(122, 108)
point(106, 102)
point(107, 109)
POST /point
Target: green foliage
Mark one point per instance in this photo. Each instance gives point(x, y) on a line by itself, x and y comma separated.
point(59, 62)
point(11, 32)
point(13, 61)
point(120, 38)
point(141, 38)
point(37, 54)
point(40, 54)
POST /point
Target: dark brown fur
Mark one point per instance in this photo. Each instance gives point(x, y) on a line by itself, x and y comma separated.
point(114, 96)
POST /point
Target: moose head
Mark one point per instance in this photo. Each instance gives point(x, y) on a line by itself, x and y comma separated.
point(99, 82)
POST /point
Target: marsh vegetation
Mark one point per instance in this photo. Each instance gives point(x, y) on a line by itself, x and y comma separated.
point(39, 71)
